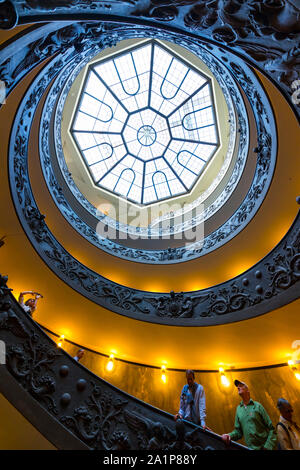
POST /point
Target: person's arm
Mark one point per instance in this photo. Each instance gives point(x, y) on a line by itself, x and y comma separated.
point(284, 439)
point(21, 296)
point(182, 407)
point(202, 406)
point(36, 297)
point(270, 443)
point(237, 433)
point(27, 292)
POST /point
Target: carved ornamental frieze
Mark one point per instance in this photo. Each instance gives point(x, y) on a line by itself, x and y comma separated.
point(98, 414)
point(265, 32)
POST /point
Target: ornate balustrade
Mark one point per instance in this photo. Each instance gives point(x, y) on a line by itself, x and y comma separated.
point(265, 33)
point(71, 406)
point(74, 408)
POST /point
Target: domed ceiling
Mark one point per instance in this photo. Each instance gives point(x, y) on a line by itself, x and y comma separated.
point(138, 220)
point(145, 124)
point(102, 119)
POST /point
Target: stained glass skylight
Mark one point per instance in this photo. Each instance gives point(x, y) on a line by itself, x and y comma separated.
point(145, 124)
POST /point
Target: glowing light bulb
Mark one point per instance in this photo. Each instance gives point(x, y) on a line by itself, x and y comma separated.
point(290, 362)
point(163, 374)
point(110, 364)
point(61, 340)
point(225, 380)
point(297, 375)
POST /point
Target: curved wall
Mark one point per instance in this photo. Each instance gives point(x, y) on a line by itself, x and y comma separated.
point(16, 433)
point(248, 342)
point(259, 237)
point(259, 341)
point(266, 386)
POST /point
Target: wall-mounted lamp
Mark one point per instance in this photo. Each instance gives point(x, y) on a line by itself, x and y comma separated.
point(110, 363)
point(224, 380)
point(61, 341)
point(163, 374)
point(294, 368)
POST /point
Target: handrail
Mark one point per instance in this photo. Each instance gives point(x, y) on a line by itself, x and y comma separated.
point(74, 408)
point(170, 369)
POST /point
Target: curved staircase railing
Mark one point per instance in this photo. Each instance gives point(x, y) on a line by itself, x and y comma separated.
point(75, 409)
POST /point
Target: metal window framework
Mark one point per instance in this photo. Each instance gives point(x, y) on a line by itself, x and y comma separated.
point(169, 168)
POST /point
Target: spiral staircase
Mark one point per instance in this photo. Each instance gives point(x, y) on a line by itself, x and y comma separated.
point(229, 299)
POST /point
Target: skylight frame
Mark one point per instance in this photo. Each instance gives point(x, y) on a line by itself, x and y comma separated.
point(207, 83)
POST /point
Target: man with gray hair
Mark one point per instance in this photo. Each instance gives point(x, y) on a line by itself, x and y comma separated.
point(251, 421)
point(288, 431)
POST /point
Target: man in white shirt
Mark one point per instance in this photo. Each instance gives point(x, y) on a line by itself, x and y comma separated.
point(288, 432)
point(30, 305)
point(192, 401)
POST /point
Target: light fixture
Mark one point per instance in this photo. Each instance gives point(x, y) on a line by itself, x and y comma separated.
point(61, 340)
point(110, 364)
point(294, 368)
point(163, 374)
point(224, 380)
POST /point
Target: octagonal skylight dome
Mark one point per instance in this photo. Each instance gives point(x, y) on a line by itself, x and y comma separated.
point(145, 124)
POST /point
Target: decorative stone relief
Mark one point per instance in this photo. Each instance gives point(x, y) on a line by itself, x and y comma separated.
point(101, 416)
point(8, 15)
point(176, 305)
point(264, 31)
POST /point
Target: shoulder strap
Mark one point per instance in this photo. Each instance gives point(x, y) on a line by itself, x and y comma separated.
point(284, 427)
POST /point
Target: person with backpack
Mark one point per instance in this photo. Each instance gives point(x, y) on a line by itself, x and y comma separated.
point(192, 401)
point(288, 432)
